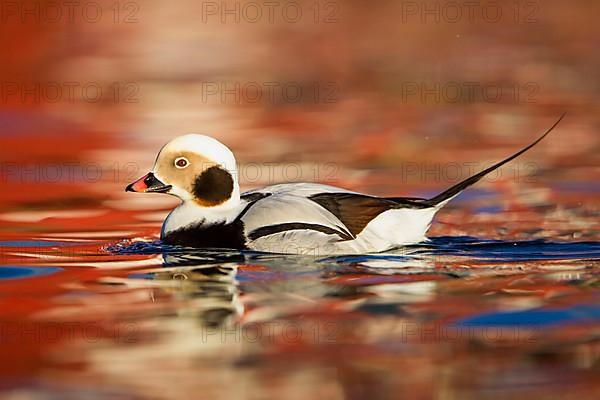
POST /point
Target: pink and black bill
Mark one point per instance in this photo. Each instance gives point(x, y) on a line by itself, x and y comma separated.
point(148, 184)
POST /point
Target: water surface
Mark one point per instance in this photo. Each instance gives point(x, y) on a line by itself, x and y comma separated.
point(457, 317)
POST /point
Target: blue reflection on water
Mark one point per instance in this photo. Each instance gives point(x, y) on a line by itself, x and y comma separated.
point(484, 249)
point(538, 317)
point(36, 243)
point(504, 251)
point(14, 272)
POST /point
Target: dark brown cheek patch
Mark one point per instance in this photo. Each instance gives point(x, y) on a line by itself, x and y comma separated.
point(213, 187)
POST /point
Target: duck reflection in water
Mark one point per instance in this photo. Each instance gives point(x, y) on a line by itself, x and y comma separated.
point(210, 287)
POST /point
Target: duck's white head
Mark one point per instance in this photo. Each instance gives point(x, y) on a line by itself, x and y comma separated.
point(198, 169)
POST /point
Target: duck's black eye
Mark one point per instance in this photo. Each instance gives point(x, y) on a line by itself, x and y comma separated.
point(181, 162)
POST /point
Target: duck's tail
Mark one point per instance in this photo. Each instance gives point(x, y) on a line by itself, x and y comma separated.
point(441, 199)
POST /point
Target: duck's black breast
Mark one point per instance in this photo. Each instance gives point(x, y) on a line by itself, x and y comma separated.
point(221, 235)
point(228, 236)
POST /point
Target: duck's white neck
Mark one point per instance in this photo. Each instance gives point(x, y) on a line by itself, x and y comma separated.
point(191, 213)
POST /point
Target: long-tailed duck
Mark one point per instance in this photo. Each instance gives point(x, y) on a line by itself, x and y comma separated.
point(305, 218)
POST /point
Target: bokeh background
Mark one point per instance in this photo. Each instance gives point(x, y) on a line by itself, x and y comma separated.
point(386, 97)
point(381, 84)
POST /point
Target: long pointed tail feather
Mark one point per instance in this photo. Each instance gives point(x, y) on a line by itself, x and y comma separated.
point(448, 194)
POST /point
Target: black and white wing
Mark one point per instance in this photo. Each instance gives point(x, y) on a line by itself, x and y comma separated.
point(305, 217)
